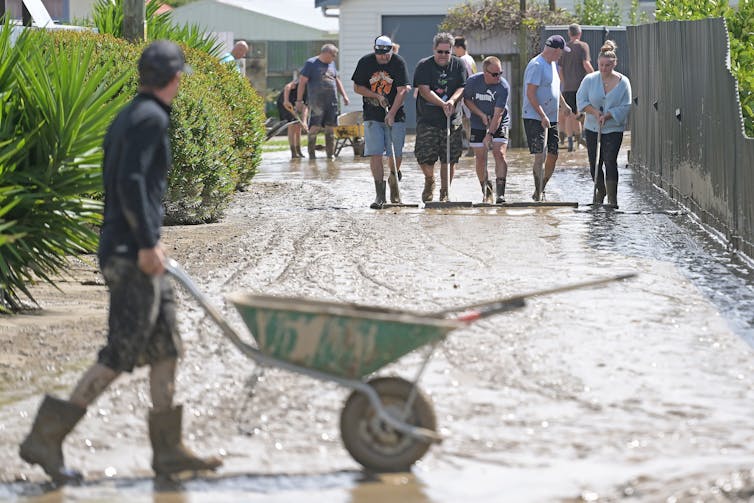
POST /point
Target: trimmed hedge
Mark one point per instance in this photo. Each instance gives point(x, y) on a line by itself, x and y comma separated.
point(217, 126)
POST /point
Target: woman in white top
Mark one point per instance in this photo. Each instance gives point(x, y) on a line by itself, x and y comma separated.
point(605, 97)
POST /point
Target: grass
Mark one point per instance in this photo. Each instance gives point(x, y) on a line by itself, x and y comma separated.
point(280, 143)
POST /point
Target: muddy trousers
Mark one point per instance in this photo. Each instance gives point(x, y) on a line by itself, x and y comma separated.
point(611, 143)
point(607, 183)
point(43, 446)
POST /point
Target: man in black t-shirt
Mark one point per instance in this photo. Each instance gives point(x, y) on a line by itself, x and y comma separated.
point(440, 80)
point(382, 79)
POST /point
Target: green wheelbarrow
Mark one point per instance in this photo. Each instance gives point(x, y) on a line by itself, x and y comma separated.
point(387, 423)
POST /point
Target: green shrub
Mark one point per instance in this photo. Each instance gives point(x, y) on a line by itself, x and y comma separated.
point(216, 133)
point(740, 23)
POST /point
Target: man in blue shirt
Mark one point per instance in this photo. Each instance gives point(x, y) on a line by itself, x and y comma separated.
point(486, 96)
point(541, 100)
point(236, 56)
point(319, 79)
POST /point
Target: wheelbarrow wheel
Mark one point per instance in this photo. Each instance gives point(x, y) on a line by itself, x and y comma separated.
point(374, 444)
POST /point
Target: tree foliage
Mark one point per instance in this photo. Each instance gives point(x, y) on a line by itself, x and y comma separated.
point(740, 23)
point(489, 16)
point(107, 17)
point(598, 12)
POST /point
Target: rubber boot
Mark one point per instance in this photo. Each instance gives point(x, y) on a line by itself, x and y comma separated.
point(294, 154)
point(395, 196)
point(612, 193)
point(312, 146)
point(570, 143)
point(298, 151)
point(599, 193)
point(379, 188)
point(500, 186)
point(429, 189)
point(330, 145)
point(536, 195)
point(44, 444)
point(169, 455)
point(444, 195)
point(487, 196)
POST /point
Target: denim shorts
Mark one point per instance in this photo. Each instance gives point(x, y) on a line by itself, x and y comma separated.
point(142, 323)
point(377, 139)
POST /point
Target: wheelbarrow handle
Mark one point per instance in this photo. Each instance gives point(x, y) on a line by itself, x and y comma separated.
point(174, 269)
point(474, 312)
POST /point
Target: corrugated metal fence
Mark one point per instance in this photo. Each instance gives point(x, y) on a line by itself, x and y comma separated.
point(686, 124)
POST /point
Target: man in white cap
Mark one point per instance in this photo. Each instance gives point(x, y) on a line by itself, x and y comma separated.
point(540, 111)
point(381, 78)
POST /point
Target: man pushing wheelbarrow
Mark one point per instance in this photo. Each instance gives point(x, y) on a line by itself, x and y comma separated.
point(142, 324)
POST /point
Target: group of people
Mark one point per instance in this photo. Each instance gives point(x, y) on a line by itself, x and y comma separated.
point(449, 94)
point(454, 101)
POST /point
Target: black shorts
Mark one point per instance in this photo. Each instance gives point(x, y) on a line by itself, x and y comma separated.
point(142, 324)
point(570, 98)
point(535, 137)
point(432, 143)
point(323, 114)
point(284, 114)
point(477, 136)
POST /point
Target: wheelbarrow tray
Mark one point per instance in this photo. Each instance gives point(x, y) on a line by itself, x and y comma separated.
point(351, 131)
point(344, 340)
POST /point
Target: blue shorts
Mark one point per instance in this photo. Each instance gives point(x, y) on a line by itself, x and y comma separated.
point(377, 139)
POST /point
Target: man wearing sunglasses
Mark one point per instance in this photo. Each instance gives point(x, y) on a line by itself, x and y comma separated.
point(381, 78)
point(439, 79)
point(486, 95)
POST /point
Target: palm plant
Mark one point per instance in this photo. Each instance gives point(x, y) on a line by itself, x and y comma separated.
point(51, 130)
point(107, 16)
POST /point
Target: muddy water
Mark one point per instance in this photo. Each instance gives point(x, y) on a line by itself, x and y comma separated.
point(638, 390)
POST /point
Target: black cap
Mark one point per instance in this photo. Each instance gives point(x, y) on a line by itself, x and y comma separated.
point(161, 61)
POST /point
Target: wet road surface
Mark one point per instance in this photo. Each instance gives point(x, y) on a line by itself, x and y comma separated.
point(639, 390)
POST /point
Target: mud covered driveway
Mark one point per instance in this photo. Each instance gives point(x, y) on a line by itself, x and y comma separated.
point(640, 390)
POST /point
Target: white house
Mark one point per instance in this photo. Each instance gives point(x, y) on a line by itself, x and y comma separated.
point(282, 33)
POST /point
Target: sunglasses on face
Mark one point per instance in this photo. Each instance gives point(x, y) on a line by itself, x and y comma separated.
point(442, 52)
point(495, 74)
